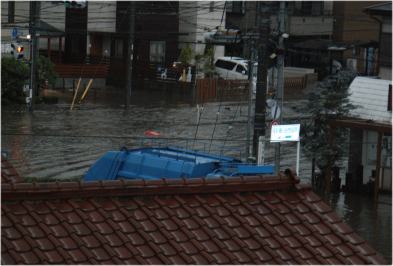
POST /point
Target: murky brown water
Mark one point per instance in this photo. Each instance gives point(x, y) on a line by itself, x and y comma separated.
point(55, 142)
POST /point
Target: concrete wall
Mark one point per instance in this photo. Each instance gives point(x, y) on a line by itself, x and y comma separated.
point(53, 14)
point(352, 24)
point(22, 11)
point(369, 157)
point(385, 73)
point(387, 25)
point(310, 26)
point(4, 11)
point(101, 16)
point(21, 19)
point(245, 22)
point(195, 18)
point(296, 25)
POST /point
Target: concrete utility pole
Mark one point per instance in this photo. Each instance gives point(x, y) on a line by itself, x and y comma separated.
point(34, 24)
point(280, 77)
point(250, 94)
point(263, 17)
point(130, 57)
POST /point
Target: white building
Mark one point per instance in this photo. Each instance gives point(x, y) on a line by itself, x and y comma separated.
point(196, 18)
point(373, 101)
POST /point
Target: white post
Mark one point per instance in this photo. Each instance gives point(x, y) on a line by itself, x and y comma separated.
point(261, 150)
point(298, 158)
point(198, 113)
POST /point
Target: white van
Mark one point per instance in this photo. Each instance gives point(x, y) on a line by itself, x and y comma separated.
point(228, 67)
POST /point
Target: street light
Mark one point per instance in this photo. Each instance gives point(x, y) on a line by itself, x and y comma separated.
point(285, 35)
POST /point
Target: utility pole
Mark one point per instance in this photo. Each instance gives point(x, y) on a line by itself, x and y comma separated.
point(34, 24)
point(280, 77)
point(251, 63)
point(130, 57)
point(263, 17)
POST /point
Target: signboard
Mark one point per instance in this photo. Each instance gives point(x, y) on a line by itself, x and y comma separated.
point(281, 133)
point(14, 33)
point(275, 110)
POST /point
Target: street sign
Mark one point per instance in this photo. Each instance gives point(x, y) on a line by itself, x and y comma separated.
point(281, 133)
point(14, 33)
point(286, 133)
point(275, 110)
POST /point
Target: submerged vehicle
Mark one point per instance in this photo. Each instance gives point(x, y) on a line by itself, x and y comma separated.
point(168, 162)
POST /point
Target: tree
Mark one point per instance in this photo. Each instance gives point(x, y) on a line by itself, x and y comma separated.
point(328, 100)
point(186, 55)
point(14, 74)
point(208, 66)
point(46, 72)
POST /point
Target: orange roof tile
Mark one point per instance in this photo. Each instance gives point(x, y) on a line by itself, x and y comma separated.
point(8, 172)
point(258, 220)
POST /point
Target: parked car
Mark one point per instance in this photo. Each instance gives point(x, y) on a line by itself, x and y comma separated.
point(231, 67)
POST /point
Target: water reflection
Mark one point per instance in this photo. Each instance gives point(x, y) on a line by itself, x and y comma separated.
point(372, 221)
point(57, 143)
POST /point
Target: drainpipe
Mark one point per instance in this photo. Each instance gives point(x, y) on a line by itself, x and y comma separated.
point(379, 41)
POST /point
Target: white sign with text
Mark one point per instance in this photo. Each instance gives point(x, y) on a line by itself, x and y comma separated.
point(281, 133)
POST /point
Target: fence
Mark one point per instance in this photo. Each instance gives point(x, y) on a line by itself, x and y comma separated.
point(217, 90)
point(294, 86)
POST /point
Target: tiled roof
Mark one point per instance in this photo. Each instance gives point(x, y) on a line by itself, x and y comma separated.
point(8, 172)
point(385, 8)
point(253, 220)
point(371, 97)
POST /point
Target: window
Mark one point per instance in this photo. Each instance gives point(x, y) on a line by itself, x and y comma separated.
point(118, 48)
point(211, 7)
point(157, 51)
point(312, 8)
point(236, 7)
point(225, 64)
point(240, 69)
point(306, 7)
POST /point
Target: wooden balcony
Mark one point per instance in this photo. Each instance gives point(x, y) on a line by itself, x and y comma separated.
point(82, 70)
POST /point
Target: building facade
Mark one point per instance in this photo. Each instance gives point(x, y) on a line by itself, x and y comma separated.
point(382, 13)
point(360, 34)
point(197, 18)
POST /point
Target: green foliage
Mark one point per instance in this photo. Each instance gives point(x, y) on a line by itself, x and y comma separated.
point(328, 100)
point(186, 55)
point(45, 72)
point(14, 74)
point(208, 66)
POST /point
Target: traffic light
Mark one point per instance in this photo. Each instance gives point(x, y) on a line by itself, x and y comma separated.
point(17, 50)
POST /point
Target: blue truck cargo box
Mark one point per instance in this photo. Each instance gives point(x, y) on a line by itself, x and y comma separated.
point(169, 162)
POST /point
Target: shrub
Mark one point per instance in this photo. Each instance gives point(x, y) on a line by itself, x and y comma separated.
point(186, 55)
point(45, 72)
point(14, 74)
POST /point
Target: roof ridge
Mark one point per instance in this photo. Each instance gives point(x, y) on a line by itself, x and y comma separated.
point(15, 191)
point(377, 5)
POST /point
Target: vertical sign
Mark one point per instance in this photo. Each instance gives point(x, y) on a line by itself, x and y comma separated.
point(284, 133)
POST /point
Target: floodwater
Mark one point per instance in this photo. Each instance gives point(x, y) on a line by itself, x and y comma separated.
point(56, 143)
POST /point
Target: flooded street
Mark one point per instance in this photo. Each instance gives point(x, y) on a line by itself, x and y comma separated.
point(56, 143)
